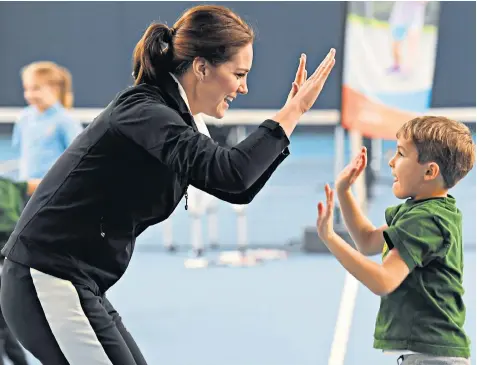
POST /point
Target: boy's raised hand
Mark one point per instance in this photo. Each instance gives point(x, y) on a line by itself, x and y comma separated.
point(350, 173)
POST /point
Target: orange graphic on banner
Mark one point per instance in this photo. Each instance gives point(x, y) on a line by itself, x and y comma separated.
point(371, 117)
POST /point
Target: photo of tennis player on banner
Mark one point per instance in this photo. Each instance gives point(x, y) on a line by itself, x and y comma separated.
point(390, 50)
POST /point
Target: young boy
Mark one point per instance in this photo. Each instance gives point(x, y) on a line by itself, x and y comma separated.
point(422, 314)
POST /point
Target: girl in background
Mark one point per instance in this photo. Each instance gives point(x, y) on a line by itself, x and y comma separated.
point(45, 129)
point(42, 133)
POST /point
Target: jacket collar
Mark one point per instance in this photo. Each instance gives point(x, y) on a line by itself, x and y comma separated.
point(182, 92)
point(169, 90)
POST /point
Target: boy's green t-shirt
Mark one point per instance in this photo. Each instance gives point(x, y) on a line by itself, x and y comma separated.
point(426, 313)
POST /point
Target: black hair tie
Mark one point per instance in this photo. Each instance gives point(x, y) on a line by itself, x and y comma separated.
point(171, 32)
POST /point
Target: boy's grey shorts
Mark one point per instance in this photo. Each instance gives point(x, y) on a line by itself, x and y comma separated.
point(420, 359)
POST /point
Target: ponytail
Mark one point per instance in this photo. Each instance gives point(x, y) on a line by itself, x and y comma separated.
point(66, 88)
point(153, 53)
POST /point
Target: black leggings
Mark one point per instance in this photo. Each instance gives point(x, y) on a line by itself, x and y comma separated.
point(9, 345)
point(62, 323)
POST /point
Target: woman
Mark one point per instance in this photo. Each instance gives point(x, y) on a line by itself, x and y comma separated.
point(128, 170)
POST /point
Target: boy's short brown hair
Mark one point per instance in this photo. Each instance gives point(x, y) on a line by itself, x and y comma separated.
point(444, 141)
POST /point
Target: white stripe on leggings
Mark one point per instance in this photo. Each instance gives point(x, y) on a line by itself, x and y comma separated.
point(68, 322)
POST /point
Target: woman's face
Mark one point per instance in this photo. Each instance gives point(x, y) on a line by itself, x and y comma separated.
point(221, 84)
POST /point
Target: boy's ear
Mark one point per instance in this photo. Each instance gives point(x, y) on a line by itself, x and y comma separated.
point(432, 171)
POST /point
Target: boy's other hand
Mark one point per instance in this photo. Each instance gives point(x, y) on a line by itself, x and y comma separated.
point(324, 223)
point(350, 173)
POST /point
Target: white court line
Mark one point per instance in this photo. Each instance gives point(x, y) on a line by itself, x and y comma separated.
point(351, 285)
point(344, 321)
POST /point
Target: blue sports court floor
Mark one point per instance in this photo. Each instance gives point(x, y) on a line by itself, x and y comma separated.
point(280, 313)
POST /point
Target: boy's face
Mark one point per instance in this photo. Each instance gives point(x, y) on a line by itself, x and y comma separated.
point(409, 175)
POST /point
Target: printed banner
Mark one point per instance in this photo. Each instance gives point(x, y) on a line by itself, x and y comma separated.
point(390, 51)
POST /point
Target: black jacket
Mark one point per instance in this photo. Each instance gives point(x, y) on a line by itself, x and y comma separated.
point(126, 171)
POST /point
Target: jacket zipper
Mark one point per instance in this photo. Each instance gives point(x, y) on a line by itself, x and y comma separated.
point(186, 197)
point(103, 234)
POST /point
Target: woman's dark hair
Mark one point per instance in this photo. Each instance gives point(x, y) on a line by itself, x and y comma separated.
point(213, 32)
